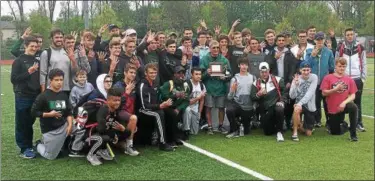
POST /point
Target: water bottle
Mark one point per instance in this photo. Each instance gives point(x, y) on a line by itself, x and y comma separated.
point(241, 130)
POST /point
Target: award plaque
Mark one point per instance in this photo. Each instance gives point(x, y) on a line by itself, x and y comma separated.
point(217, 69)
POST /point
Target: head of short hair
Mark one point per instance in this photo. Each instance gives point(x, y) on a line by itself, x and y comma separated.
point(30, 39)
point(341, 61)
point(348, 29)
point(81, 72)
point(223, 37)
point(185, 38)
point(194, 69)
point(310, 27)
point(152, 66)
point(201, 33)
point(187, 29)
point(268, 31)
point(279, 36)
point(243, 60)
point(37, 35)
point(89, 35)
point(128, 41)
point(69, 37)
point(169, 42)
point(213, 42)
point(210, 33)
point(56, 72)
point(237, 33)
point(114, 36)
point(114, 43)
point(130, 66)
point(253, 38)
point(55, 31)
point(114, 91)
point(245, 31)
point(302, 31)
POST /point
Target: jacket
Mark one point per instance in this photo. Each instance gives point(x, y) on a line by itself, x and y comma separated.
point(322, 64)
point(350, 53)
point(214, 85)
point(178, 103)
point(127, 100)
point(25, 84)
point(289, 64)
point(16, 51)
point(147, 96)
point(99, 92)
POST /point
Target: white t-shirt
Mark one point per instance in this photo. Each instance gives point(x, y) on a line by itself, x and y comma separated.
point(195, 93)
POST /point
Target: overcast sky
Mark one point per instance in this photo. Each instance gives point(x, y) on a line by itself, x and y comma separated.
point(30, 5)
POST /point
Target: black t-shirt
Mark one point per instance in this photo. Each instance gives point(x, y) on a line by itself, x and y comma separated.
point(234, 53)
point(106, 120)
point(48, 101)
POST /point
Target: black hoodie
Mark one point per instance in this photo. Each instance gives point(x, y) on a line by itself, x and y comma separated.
point(25, 84)
point(167, 63)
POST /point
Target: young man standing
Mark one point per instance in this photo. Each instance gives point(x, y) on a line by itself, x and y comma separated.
point(216, 85)
point(149, 106)
point(322, 63)
point(103, 45)
point(169, 60)
point(240, 102)
point(201, 49)
point(16, 47)
point(311, 31)
point(193, 112)
point(235, 51)
point(269, 92)
point(269, 44)
point(114, 66)
point(25, 80)
point(254, 56)
point(55, 112)
point(355, 54)
point(88, 43)
point(299, 50)
point(303, 91)
point(340, 91)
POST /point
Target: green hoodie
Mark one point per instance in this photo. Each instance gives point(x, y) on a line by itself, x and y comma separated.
point(178, 103)
point(214, 85)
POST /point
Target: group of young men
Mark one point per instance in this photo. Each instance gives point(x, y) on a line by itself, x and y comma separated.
point(93, 95)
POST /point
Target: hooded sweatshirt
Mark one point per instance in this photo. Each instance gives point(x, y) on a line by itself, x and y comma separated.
point(25, 84)
point(304, 92)
point(99, 92)
point(242, 95)
point(79, 91)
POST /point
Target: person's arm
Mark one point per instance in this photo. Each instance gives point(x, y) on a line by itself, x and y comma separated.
point(293, 90)
point(164, 91)
point(331, 62)
point(98, 40)
point(183, 105)
point(16, 48)
point(73, 98)
point(37, 107)
point(325, 86)
point(283, 91)
point(310, 91)
point(101, 116)
point(17, 75)
point(43, 70)
point(82, 61)
point(204, 66)
point(333, 42)
point(231, 93)
point(253, 94)
point(141, 47)
point(364, 65)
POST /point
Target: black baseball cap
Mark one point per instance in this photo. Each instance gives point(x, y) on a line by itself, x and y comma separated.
point(319, 36)
point(179, 69)
point(112, 26)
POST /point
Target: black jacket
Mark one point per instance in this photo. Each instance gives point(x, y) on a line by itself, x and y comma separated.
point(167, 63)
point(289, 65)
point(25, 84)
point(147, 96)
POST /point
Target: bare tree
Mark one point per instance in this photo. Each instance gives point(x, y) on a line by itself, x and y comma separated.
point(12, 10)
point(42, 7)
point(51, 8)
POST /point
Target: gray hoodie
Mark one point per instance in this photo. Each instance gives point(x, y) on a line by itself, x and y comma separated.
point(304, 92)
point(79, 91)
point(242, 95)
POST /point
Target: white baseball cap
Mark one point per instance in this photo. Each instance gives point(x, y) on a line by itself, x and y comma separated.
point(129, 32)
point(264, 66)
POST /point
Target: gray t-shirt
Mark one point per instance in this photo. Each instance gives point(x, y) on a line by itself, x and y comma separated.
point(242, 95)
point(304, 92)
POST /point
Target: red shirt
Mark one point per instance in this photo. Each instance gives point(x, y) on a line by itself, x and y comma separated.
point(334, 100)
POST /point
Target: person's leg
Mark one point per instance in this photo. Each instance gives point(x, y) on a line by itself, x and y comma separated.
point(335, 121)
point(358, 102)
point(95, 142)
point(186, 119)
point(318, 100)
point(245, 119)
point(266, 119)
point(296, 123)
point(352, 109)
point(52, 142)
point(232, 112)
point(208, 102)
point(78, 141)
point(172, 119)
point(24, 125)
point(220, 104)
point(278, 118)
point(289, 110)
point(308, 124)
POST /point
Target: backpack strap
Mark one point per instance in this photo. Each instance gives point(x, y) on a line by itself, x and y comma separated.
point(341, 50)
point(49, 53)
point(274, 81)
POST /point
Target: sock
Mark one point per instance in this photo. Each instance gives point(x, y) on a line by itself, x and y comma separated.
point(129, 142)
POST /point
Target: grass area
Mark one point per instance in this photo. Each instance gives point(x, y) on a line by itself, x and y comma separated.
point(321, 156)
point(183, 164)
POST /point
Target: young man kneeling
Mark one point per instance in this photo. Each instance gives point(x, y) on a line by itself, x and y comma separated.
point(339, 90)
point(303, 90)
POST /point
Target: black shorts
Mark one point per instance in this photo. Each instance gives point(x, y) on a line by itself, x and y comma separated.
point(309, 118)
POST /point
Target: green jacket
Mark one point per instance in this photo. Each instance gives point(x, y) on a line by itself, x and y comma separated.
point(178, 103)
point(214, 85)
point(16, 48)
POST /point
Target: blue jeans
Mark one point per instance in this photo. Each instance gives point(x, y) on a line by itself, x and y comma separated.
point(24, 122)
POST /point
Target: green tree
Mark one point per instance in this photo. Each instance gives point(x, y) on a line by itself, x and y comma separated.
point(6, 18)
point(368, 29)
point(108, 16)
point(40, 24)
point(214, 13)
point(284, 25)
point(74, 23)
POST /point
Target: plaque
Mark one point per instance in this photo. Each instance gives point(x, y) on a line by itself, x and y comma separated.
point(217, 69)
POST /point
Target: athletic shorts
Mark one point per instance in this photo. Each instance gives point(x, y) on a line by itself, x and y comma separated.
point(309, 118)
point(214, 101)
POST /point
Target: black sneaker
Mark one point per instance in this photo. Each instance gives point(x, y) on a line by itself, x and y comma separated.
point(318, 125)
point(186, 135)
point(353, 137)
point(165, 147)
point(361, 128)
point(76, 154)
point(210, 130)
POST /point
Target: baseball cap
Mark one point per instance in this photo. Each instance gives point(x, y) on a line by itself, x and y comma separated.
point(130, 31)
point(112, 26)
point(178, 69)
point(305, 64)
point(263, 66)
point(286, 33)
point(172, 34)
point(319, 36)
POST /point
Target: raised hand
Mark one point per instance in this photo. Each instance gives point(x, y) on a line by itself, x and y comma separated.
point(70, 52)
point(75, 35)
point(217, 30)
point(91, 55)
point(27, 33)
point(134, 60)
point(278, 55)
point(203, 23)
point(129, 88)
point(234, 86)
point(114, 61)
point(199, 29)
point(101, 56)
point(102, 29)
point(33, 68)
point(237, 22)
point(150, 36)
point(82, 50)
point(331, 32)
point(296, 79)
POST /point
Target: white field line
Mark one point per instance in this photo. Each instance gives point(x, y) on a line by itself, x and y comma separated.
point(6, 70)
point(227, 162)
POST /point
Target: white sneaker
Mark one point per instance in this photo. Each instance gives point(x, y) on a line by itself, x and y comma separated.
point(279, 137)
point(104, 153)
point(93, 159)
point(131, 151)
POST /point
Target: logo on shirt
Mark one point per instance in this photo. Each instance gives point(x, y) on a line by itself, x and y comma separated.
point(340, 82)
point(57, 105)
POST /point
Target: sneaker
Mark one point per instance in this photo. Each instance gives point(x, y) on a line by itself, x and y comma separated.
point(76, 154)
point(155, 138)
point(318, 125)
point(205, 126)
point(93, 159)
point(222, 130)
point(295, 138)
point(186, 135)
point(131, 151)
point(233, 135)
point(104, 153)
point(279, 137)
point(173, 145)
point(353, 137)
point(37, 142)
point(28, 154)
point(178, 142)
point(166, 147)
point(210, 130)
point(360, 128)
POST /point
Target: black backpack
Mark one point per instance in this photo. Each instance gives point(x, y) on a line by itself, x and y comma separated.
point(190, 84)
